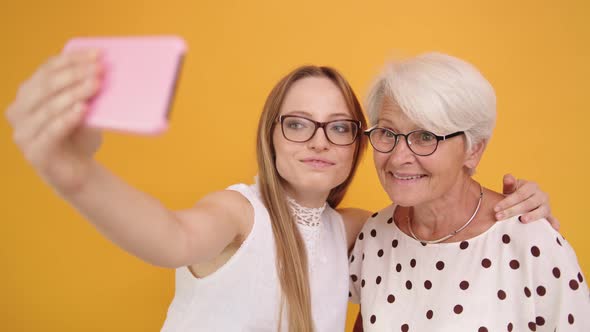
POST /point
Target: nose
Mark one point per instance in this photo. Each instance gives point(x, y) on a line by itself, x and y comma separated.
point(401, 154)
point(319, 141)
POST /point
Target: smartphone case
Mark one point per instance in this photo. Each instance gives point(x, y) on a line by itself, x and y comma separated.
point(139, 81)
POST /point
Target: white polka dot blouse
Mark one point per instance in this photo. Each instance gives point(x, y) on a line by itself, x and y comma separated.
point(513, 277)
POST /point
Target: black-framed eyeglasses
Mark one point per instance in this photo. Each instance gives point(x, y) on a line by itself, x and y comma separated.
point(301, 129)
point(421, 142)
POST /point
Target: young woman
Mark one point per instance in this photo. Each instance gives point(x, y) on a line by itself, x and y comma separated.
point(260, 257)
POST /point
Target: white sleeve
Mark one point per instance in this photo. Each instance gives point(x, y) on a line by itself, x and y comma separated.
point(355, 268)
point(559, 287)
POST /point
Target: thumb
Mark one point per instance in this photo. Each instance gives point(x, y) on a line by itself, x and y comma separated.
point(509, 184)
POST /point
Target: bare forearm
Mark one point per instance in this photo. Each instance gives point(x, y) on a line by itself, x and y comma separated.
point(133, 220)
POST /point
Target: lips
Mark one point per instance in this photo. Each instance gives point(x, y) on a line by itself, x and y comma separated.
point(407, 176)
point(318, 162)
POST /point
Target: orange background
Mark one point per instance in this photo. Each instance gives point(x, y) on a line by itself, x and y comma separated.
point(58, 274)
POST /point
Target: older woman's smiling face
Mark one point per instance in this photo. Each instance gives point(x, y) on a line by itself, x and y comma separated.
point(411, 180)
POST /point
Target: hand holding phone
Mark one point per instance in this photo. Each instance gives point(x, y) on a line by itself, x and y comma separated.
point(138, 84)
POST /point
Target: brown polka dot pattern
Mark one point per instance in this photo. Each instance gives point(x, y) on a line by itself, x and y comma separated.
point(535, 251)
point(442, 277)
point(506, 238)
point(527, 292)
point(464, 285)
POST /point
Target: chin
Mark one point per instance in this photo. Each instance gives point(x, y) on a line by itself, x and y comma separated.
point(405, 197)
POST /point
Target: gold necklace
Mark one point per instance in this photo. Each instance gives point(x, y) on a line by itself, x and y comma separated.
point(446, 237)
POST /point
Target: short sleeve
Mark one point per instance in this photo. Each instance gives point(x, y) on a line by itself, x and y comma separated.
point(355, 268)
point(558, 287)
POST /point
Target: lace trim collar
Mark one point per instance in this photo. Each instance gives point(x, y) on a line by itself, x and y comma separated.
point(306, 216)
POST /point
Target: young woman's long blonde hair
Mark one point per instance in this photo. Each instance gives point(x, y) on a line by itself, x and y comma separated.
point(291, 255)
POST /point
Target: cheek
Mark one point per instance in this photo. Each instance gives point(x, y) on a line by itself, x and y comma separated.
point(347, 157)
point(380, 160)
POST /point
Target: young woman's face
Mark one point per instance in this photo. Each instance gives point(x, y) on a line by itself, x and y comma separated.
point(315, 166)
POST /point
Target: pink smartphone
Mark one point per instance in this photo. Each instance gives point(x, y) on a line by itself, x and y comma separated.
point(140, 76)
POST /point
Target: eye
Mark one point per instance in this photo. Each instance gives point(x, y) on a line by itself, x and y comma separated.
point(295, 123)
point(388, 133)
point(425, 137)
point(341, 127)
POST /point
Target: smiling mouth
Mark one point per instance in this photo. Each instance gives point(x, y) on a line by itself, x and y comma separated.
point(407, 177)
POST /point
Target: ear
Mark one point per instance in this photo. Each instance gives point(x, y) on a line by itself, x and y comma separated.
point(474, 154)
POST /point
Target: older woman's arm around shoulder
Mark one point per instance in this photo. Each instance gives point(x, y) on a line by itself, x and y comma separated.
point(46, 118)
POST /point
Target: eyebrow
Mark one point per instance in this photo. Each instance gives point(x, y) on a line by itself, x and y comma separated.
point(309, 115)
point(386, 122)
point(391, 125)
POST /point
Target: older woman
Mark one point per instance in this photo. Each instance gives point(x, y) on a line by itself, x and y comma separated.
point(436, 260)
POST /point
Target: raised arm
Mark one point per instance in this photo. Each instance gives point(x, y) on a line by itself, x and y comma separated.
point(46, 117)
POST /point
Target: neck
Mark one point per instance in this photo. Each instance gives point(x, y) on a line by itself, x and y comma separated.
point(440, 217)
point(308, 199)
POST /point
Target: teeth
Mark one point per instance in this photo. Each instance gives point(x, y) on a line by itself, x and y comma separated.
point(407, 177)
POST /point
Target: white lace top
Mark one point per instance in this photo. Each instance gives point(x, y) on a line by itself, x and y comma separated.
point(244, 294)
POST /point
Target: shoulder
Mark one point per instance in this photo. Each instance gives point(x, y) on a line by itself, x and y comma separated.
point(353, 220)
point(539, 231)
point(230, 206)
point(365, 221)
point(536, 241)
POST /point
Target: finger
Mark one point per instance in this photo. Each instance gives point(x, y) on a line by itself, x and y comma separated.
point(55, 132)
point(58, 74)
point(30, 127)
point(62, 103)
point(523, 206)
point(509, 184)
point(534, 215)
point(522, 193)
point(554, 222)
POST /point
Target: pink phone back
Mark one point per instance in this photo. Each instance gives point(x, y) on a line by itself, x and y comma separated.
point(138, 84)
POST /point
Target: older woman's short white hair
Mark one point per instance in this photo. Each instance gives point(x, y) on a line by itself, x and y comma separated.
point(439, 93)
